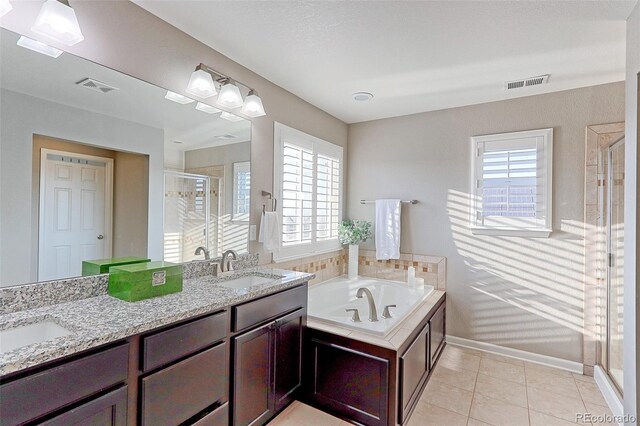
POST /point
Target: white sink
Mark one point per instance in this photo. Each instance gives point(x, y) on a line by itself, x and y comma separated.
point(245, 282)
point(17, 337)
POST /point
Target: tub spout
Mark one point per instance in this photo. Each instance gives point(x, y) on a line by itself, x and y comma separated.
point(373, 312)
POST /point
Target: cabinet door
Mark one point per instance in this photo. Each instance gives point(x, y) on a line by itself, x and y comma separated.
point(253, 376)
point(288, 357)
point(107, 410)
point(414, 368)
point(437, 323)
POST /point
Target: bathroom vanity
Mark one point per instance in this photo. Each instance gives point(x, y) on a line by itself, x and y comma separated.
point(234, 359)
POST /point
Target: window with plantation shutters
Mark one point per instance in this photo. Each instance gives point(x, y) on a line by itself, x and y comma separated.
point(308, 181)
point(511, 183)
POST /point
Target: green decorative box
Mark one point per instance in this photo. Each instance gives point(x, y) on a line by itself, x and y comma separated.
point(101, 266)
point(141, 281)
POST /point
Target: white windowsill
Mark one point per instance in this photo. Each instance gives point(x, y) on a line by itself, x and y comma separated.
point(533, 233)
point(277, 259)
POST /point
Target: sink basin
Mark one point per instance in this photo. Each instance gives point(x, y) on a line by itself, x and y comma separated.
point(17, 337)
point(245, 282)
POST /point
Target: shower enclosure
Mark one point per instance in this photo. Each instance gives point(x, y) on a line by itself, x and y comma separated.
point(191, 215)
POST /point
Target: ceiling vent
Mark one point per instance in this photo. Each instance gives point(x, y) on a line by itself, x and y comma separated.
point(225, 137)
point(96, 85)
point(526, 82)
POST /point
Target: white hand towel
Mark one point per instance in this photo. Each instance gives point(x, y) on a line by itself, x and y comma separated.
point(270, 231)
point(387, 229)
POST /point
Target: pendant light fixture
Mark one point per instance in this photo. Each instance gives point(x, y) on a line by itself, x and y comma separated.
point(253, 105)
point(57, 21)
point(229, 96)
point(201, 83)
point(5, 7)
point(38, 46)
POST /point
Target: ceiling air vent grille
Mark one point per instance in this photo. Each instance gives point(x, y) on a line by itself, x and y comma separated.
point(96, 85)
point(526, 82)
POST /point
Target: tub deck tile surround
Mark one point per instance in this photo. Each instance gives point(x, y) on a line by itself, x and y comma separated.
point(396, 338)
point(99, 320)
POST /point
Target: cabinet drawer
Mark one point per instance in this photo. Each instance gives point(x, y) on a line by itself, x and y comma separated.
point(269, 307)
point(177, 393)
point(107, 410)
point(218, 417)
point(165, 346)
point(33, 396)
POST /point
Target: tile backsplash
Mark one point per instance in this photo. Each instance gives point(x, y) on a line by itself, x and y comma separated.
point(330, 265)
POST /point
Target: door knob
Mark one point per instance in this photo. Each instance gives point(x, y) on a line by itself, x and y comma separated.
point(100, 237)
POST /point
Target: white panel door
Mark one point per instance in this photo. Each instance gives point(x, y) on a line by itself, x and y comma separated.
point(74, 221)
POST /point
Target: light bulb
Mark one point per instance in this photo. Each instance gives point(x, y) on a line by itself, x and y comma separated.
point(229, 96)
point(176, 97)
point(5, 7)
point(201, 84)
point(58, 22)
point(230, 117)
point(253, 105)
point(206, 108)
point(38, 46)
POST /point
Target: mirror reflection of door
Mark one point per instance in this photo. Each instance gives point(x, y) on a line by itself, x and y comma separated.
point(75, 212)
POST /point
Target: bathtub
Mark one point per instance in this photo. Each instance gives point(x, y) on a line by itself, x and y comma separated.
point(328, 301)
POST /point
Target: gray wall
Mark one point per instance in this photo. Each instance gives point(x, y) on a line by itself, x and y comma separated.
point(224, 155)
point(631, 213)
point(524, 293)
point(121, 35)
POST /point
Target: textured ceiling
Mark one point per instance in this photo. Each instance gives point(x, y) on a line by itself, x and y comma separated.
point(413, 56)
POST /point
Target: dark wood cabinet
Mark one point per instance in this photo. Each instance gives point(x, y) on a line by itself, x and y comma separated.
point(106, 410)
point(414, 370)
point(438, 331)
point(267, 369)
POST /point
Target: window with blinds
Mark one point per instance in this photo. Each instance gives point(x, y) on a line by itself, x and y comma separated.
point(308, 179)
point(511, 189)
point(241, 190)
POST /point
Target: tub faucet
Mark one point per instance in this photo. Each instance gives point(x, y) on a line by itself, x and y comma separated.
point(373, 312)
point(201, 250)
point(225, 265)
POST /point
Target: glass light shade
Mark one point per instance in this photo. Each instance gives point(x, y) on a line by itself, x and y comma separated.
point(231, 117)
point(5, 7)
point(175, 97)
point(206, 108)
point(38, 46)
point(229, 96)
point(253, 105)
point(58, 22)
point(201, 84)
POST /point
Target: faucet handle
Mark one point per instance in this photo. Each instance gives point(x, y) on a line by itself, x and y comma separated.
point(386, 313)
point(356, 315)
point(214, 266)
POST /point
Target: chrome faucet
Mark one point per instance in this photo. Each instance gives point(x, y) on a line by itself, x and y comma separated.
point(226, 265)
point(373, 312)
point(201, 250)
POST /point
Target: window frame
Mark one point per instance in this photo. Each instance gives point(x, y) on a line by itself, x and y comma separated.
point(317, 145)
point(542, 230)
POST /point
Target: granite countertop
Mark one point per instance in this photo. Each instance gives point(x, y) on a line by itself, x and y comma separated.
point(103, 319)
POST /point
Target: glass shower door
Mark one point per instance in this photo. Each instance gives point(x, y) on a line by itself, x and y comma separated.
point(615, 270)
point(187, 213)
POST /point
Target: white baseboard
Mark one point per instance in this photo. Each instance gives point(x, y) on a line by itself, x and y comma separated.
point(608, 391)
point(549, 361)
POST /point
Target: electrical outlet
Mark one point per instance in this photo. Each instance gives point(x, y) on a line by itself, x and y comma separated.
point(252, 232)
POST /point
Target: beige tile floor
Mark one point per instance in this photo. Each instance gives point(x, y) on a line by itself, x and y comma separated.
point(475, 388)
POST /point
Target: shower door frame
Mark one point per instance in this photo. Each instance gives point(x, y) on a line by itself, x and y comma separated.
point(207, 179)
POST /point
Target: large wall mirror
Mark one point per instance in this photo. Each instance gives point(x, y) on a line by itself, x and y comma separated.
point(97, 164)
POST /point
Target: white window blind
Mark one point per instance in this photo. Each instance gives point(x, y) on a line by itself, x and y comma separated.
point(308, 181)
point(241, 190)
point(511, 188)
